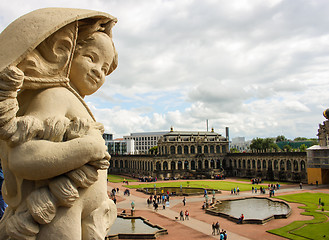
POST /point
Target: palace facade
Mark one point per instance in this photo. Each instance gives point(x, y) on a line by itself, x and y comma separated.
point(197, 155)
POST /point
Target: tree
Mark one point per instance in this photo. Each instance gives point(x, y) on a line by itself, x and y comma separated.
point(234, 150)
point(298, 139)
point(256, 144)
point(287, 148)
point(153, 150)
point(281, 138)
point(303, 148)
point(261, 144)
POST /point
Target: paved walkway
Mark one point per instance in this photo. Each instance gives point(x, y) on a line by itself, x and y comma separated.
point(195, 202)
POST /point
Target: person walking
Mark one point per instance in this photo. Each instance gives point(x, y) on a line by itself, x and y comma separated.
point(213, 228)
point(217, 227)
point(187, 214)
point(181, 214)
point(184, 201)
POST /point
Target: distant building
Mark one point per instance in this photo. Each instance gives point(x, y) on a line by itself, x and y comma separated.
point(240, 144)
point(318, 156)
point(144, 141)
point(118, 145)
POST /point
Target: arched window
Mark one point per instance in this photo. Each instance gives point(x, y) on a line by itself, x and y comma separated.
point(239, 163)
point(264, 164)
point(172, 150)
point(158, 166)
point(269, 164)
point(205, 149)
point(199, 149)
point(248, 164)
point(288, 165)
point(282, 165)
point(179, 150)
point(121, 164)
point(218, 149)
point(295, 166)
point(116, 163)
point(173, 165)
point(126, 164)
point(212, 164)
point(206, 164)
point(192, 165)
point(218, 164)
point(244, 164)
point(199, 164)
point(253, 164)
point(165, 165)
point(192, 150)
point(212, 149)
point(186, 165)
point(151, 166)
point(185, 149)
point(302, 166)
point(179, 165)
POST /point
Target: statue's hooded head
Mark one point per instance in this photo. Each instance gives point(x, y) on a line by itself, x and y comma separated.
point(43, 43)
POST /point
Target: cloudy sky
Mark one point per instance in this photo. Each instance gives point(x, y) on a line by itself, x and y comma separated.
point(259, 67)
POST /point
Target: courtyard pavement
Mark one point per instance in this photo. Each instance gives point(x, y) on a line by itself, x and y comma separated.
point(199, 224)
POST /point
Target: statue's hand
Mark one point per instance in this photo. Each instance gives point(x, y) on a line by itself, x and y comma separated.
point(98, 149)
point(102, 164)
point(12, 78)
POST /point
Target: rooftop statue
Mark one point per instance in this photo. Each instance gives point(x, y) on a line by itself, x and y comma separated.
point(52, 151)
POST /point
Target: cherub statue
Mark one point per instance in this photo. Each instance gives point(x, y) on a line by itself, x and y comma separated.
point(52, 151)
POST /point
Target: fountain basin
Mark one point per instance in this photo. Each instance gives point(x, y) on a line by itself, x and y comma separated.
point(130, 227)
point(256, 210)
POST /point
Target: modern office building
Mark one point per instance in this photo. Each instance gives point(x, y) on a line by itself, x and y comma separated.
point(144, 141)
point(240, 144)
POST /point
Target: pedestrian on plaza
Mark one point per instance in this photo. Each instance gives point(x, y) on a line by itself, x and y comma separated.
point(181, 215)
point(213, 228)
point(238, 190)
point(217, 227)
point(184, 201)
point(300, 185)
point(221, 236)
point(225, 235)
point(187, 215)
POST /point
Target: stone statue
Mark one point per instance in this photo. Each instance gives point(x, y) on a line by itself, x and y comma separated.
point(52, 151)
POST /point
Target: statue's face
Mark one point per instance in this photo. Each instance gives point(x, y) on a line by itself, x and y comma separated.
point(91, 63)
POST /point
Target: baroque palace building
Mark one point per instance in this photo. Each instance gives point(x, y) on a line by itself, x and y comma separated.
point(197, 155)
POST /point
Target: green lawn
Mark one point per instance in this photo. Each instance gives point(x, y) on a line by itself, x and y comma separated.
point(317, 228)
point(118, 178)
point(220, 185)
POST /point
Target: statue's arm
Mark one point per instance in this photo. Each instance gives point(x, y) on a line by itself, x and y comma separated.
point(41, 159)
